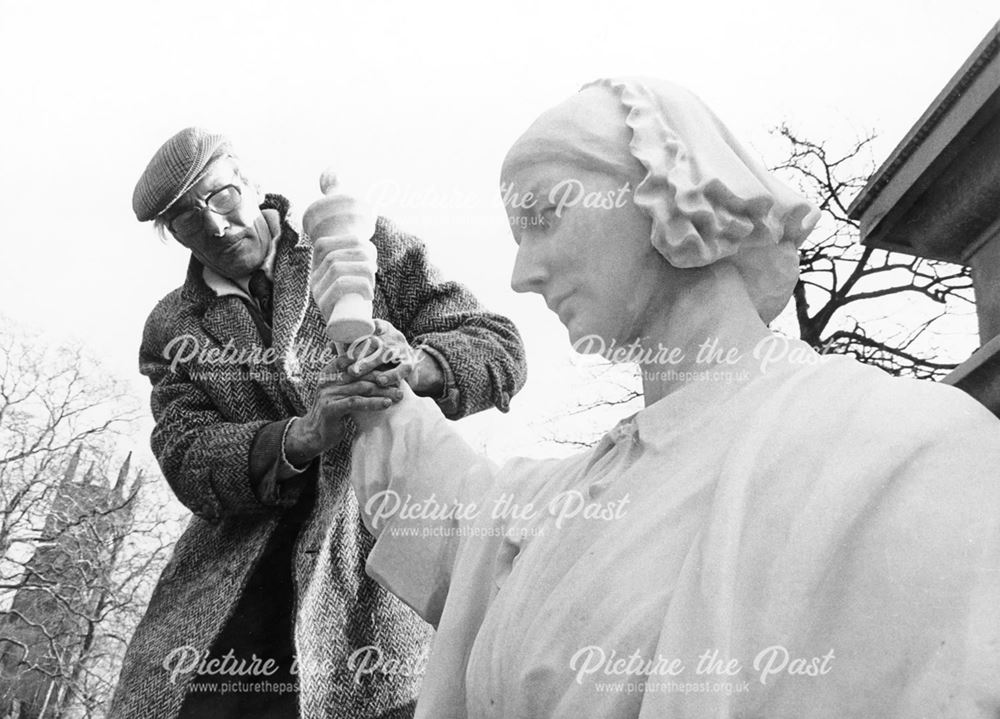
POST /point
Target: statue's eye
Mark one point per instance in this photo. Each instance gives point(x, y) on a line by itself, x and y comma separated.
point(548, 216)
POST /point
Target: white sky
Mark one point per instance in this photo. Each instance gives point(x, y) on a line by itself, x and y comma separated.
point(421, 97)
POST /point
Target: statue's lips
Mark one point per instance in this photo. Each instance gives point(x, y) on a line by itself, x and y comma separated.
point(557, 303)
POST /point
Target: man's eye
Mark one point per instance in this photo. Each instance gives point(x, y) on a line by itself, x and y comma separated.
point(188, 222)
point(225, 200)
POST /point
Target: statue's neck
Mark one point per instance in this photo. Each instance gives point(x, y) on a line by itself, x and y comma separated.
point(707, 336)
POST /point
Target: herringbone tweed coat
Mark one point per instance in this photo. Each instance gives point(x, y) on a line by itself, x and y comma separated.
point(206, 420)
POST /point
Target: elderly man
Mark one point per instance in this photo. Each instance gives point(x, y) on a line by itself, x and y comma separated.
point(256, 445)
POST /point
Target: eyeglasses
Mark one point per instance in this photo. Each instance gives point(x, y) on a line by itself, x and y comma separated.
point(221, 202)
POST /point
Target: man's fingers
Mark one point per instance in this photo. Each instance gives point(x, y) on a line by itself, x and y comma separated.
point(337, 372)
point(363, 404)
point(392, 376)
point(333, 378)
point(341, 362)
point(384, 327)
point(360, 388)
point(366, 364)
point(386, 345)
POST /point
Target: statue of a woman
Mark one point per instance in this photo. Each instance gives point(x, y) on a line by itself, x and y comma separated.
point(776, 534)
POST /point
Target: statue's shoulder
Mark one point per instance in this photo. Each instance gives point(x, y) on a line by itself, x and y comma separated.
point(903, 408)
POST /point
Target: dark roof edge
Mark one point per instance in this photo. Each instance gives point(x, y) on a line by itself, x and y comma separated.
point(975, 363)
point(946, 99)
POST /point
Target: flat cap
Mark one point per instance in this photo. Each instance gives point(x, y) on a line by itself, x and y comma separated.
point(173, 170)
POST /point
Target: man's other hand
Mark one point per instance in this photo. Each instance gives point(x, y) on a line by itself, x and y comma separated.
point(390, 359)
point(338, 394)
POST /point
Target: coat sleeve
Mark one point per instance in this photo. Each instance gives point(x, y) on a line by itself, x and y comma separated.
point(483, 350)
point(208, 460)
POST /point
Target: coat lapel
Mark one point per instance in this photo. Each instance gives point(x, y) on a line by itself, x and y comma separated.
point(291, 293)
point(226, 321)
point(299, 329)
point(291, 302)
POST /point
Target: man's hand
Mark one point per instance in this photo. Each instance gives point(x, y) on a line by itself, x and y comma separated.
point(338, 395)
point(390, 358)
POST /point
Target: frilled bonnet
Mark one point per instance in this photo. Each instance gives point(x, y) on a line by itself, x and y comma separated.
point(708, 198)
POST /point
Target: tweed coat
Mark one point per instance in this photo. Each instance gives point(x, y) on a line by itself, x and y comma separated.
point(207, 417)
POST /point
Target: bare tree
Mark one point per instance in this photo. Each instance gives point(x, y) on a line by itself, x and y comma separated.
point(142, 545)
point(79, 549)
point(51, 399)
point(839, 276)
point(609, 390)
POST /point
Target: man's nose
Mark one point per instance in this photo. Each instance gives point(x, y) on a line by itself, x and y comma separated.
point(215, 224)
point(529, 273)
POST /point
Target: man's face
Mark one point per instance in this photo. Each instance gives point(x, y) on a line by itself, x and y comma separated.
point(233, 243)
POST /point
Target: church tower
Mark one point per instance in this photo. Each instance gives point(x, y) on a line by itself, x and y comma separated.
point(50, 624)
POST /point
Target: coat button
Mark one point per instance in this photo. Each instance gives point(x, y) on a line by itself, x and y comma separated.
point(170, 570)
point(209, 512)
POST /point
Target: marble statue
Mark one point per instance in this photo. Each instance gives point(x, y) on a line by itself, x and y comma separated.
point(776, 534)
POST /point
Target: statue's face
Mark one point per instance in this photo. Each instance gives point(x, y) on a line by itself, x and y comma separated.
point(584, 246)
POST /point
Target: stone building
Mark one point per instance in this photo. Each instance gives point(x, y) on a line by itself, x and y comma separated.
point(49, 625)
point(938, 196)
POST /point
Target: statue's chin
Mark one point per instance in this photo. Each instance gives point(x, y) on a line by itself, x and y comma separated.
point(577, 336)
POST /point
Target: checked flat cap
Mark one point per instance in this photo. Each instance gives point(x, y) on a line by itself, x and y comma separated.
point(174, 168)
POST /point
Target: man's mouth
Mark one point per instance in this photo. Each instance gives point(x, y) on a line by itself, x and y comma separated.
point(231, 243)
